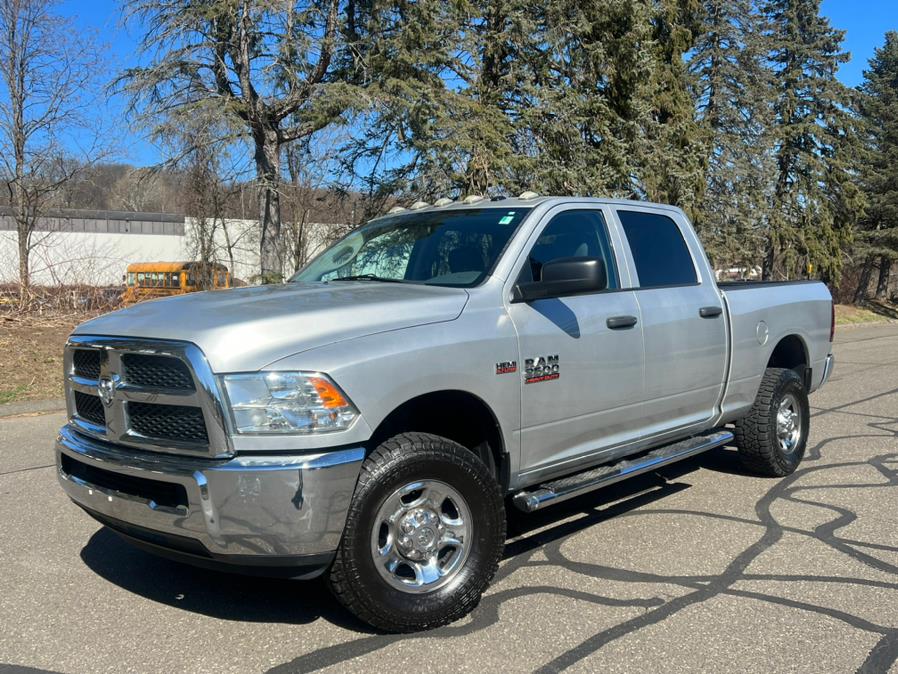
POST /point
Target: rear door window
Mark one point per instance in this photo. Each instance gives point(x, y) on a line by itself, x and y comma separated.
point(659, 249)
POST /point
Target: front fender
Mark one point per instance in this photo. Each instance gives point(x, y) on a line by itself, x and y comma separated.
point(381, 372)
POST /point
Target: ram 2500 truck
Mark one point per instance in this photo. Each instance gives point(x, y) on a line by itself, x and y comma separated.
point(373, 418)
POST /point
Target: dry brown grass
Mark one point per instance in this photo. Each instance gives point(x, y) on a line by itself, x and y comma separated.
point(31, 354)
point(34, 326)
point(871, 312)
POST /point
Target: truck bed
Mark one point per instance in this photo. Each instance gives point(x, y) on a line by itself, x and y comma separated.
point(761, 315)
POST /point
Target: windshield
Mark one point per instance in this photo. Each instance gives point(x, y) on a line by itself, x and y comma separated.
point(451, 248)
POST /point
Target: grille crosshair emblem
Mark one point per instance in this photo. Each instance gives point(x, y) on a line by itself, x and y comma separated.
point(106, 390)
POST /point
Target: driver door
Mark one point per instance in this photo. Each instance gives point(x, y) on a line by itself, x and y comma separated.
point(581, 357)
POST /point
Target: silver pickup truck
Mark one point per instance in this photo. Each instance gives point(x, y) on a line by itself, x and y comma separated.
point(373, 418)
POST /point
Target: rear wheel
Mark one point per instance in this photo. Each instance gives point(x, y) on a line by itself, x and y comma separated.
point(772, 437)
point(412, 555)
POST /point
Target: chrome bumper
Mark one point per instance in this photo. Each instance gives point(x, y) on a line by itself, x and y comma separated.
point(249, 510)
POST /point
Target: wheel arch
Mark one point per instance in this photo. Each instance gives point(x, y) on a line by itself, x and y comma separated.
point(791, 353)
point(460, 416)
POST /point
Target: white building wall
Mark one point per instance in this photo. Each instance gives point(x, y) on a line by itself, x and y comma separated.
point(101, 258)
point(88, 258)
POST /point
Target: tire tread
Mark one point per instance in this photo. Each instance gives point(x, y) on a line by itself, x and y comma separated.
point(758, 449)
point(344, 577)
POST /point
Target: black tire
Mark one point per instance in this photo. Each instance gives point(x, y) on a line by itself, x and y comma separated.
point(356, 581)
point(756, 434)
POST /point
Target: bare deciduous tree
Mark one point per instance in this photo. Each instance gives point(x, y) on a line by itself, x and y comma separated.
point(311, 163)
point(47, 72)
point(275, 70)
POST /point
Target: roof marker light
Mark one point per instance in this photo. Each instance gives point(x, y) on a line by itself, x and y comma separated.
point(442, 201)
point(418, 205)
point(472, 199)
point(528, 195)
point(395, 209)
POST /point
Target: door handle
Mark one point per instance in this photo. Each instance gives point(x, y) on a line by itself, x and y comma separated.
point(621, 322)
point(710, 312)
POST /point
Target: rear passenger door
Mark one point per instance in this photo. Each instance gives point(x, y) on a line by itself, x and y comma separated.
point(683, 323)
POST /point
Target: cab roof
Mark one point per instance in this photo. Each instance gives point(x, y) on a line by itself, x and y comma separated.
point(517, 202)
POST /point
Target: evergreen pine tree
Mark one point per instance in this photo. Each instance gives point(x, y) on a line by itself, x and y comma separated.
point(732, 101)
point(581, 103)
point(673, 166)
point(441, 122)
point(878, 242)
point(815, 200)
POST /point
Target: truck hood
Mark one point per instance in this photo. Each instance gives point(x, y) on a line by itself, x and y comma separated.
point(245, 329)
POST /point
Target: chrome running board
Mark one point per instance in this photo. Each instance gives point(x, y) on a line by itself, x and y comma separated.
point(568, 487)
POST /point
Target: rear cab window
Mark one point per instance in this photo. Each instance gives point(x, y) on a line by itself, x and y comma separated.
point(659, 250)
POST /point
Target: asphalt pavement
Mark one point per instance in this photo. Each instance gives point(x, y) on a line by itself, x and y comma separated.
point(698, 568)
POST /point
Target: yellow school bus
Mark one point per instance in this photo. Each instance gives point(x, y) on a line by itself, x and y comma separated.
point(149, 280)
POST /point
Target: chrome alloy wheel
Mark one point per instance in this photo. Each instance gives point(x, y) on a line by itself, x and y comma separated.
point(788, 423)
point(421, 536)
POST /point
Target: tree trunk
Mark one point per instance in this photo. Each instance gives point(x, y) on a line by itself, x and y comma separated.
point(882, 284)
point(861, 293)
point(299, 250)
point(24, 252)
point(24, 224)
point(268, 171)
point(769, 260)
point(229, 245)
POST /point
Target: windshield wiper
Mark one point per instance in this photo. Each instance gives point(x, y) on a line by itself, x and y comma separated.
point(367, 277)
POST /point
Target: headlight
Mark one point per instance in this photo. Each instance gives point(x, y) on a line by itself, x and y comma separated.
point(287, 402)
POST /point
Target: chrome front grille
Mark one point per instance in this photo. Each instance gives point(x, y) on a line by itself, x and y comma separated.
point(90, 408)
point(86, 363)
point(147, 394)
point(168, 422)
point(159, 372)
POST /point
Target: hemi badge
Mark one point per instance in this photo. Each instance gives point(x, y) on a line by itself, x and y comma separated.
point(507, 367)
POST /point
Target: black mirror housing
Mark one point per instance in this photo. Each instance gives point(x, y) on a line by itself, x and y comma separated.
point(565, 276)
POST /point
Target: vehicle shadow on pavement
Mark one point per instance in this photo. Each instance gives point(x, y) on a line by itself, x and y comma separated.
point(544, 533)
point(260, 599)
point(537, 539)
point(212, 593)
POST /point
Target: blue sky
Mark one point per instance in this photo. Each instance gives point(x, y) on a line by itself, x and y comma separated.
point(865, 23)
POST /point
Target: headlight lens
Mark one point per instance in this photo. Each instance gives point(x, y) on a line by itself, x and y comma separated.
point(287, 402)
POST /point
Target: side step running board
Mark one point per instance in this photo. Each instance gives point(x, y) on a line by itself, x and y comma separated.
point(565, 488)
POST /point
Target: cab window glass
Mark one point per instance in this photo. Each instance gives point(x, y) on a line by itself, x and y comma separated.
point(440, 247)
point(659, 250)
point(573, 233)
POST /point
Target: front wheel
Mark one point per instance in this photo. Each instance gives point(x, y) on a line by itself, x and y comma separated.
point(771, 438)
point(413, 556)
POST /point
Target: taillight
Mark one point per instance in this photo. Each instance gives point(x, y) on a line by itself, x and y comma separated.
point(832, 320)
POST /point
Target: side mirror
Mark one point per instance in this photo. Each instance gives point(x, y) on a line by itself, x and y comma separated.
point(565, 276)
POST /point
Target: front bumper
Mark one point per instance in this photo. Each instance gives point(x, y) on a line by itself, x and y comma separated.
point(262, 511)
